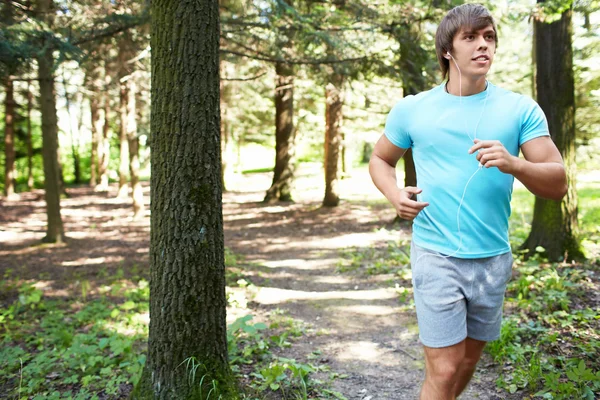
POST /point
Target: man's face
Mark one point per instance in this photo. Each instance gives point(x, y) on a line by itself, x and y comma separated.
point(474, 51)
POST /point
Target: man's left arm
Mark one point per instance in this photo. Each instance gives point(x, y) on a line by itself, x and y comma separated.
point(542, 171)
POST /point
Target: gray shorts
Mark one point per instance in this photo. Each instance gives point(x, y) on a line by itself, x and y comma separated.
point(458, 297)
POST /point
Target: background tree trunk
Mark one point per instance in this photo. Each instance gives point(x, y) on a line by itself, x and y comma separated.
point(226, 142)
point(187, 285)
point(104, 154)
point(74, 137)
point(554, 225)
point(96, 138)
point(283, 173)
point(9, 139)
point(333, 138)
point(133, 141)
point(54, 232)
point(123, 144)
point(29, 138)
point(412, 58)
point(94, 84)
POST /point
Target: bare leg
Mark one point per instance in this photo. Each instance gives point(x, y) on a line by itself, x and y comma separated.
point(473, 350)
point(441, 371)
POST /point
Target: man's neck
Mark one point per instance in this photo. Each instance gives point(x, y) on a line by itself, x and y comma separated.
point(469, 86)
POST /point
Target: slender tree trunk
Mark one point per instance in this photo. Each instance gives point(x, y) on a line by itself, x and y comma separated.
point(134, 145)
point(343, 148)
point(96, 137)
point(534, 63)
point(94, 85)
point(187, 285)
point(123, 144)
point(54, 233)
point(283, 173)
point(9, 139)
point(104, 154)
point(29, 138)
point(74, 141)
point(225, 90)
point(333, 137)
point(554, 225)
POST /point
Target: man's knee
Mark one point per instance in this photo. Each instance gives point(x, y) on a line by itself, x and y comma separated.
point(444, 372)
point(469, 363)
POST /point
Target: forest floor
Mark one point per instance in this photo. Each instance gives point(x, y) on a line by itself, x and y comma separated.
point(312, 264)
point(317, 265)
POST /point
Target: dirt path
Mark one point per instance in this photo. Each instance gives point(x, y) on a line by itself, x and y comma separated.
point(364, 330)
point(362, 327)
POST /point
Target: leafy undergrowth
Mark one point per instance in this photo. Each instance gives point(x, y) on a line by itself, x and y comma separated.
point(93, 347)
point(550, 338)
point(78, 348)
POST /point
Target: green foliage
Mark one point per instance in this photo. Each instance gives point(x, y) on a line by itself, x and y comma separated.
point(75, 352)
point(548, 345)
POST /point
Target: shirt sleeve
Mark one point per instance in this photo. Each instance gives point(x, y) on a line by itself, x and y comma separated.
point(397, 123)
point(534, 123)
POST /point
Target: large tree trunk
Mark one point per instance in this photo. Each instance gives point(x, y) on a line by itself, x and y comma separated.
point(54, 232)
point(9, 139)
point(554, 225)
point(187, 285)
point(333, 138)
point(283, 173)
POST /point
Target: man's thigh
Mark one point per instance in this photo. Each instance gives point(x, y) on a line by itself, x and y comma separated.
point(439, 293)
point(484, 306)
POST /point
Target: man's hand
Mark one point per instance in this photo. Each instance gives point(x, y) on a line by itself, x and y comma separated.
point(405, 206)
point(492, 153)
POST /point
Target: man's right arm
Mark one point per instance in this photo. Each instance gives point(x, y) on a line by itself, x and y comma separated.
point(382, 168)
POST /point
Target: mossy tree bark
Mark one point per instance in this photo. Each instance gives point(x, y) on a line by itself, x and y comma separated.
point(187, 287)
point(554, 225)
point(334, 101)
point(52, 186)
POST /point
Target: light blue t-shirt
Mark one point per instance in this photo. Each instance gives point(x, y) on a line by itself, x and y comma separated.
point(437, 126)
